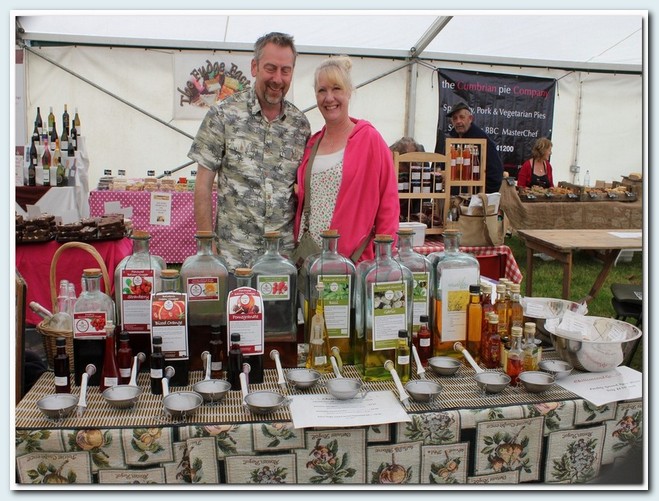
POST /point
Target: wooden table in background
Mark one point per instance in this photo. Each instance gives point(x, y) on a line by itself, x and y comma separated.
point(559, 244)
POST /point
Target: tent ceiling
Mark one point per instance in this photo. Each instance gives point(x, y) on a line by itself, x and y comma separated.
point(598, 41)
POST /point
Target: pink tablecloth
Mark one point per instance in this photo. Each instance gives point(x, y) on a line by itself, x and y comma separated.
point(173, 242)
point(512, 270)
point(33, 262)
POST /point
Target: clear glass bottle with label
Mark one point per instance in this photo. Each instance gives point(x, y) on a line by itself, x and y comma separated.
point(402, 361)
point(532, 348)
point(386, 299)
point(136, 277)
point(516, 309)
point(93, 309)
point(205, 279)
point(454, 273)
point(276, 280)
point(515, 356)
point(319, 348)
point(422, 274)
point(337, 273)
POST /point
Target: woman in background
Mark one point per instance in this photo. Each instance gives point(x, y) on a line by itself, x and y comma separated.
point(353, 186)
point(537, 170)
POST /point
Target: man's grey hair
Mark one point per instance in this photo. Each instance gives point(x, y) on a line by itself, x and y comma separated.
point(280, 39)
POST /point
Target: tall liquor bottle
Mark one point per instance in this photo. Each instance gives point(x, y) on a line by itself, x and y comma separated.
point(474, 322)
point(454, 273)
point(386, 299)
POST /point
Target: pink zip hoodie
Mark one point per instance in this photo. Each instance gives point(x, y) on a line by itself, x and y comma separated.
point(367, 203)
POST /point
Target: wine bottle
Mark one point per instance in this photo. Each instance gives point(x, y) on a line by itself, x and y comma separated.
point(51, 120)
point(73, 138)
point(157, 364)
point(53, 138)
point(64, 139)
point(76, 121)
point(32, 167)
point(45, 164)
point(110, 371)
point(38, 122)
point(62, 367)
point(65, 120)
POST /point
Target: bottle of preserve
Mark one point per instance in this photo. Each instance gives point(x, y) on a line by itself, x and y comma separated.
point(169, 321)
point(62, 367)
point(156, 366)
point(124, 358)
point(110, 370)
point(235, 362)
point(218, 369)
point(424, 348)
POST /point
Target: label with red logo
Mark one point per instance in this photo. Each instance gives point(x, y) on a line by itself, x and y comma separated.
point(245, 317)
point(89, 325)
point(203, 289)
point(136, 289)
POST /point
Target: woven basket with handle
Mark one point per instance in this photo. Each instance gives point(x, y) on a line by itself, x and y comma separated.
point(50, 335)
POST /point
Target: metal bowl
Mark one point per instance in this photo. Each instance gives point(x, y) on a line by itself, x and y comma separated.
point(557, 368)
point(423, 390)
point(58, 405)
point(212, 390)
point(613, 341)
point(181, 404)
point(344, 388)
point(265, 402)
point(492, 382)
point(536, 381)
point(444, 366)
point(122, 396)
point(302, 378)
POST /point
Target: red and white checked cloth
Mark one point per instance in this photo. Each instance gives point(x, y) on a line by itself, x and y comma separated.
point(512, 270)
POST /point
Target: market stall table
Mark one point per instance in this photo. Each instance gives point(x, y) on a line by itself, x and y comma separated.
point(172, 239)
point(68, 201)
point(33, 262)
point(512, 271)
point(511, 437)
point(560, 244)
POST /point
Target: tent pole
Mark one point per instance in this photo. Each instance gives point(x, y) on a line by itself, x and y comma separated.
point(411, 99)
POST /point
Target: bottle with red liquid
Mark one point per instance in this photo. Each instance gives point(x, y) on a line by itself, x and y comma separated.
point(62, 367)
point(491, 345)
point(455, 175)
point(156, 366)
point(124, 358)
point(424, 337)
point(218, 370)
point(235, 362)
point(466, 163)
point(110, 371)
point(515, 358)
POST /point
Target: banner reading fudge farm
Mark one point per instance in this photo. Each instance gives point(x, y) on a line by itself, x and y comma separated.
point(513, 110)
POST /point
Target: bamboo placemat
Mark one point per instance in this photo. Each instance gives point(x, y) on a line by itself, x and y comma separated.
point(458, 392)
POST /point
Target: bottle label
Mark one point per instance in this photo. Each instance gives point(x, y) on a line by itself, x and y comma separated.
point(245, 317)
point(156, 373)
point(168, 320)
point(404, 360)
point(454, 286)
point(61, 380)
point(110, 381)
point(420, 298)
point(389, 313)
point(216, 366)
point(124, 372)
point(424, 342)
point(136, 288)
point(203, 289)
point(89, 325)
point(320, 360)
point(274, 288)
point(336, 300)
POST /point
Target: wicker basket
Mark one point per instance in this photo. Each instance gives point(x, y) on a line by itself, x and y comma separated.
point(48, 335)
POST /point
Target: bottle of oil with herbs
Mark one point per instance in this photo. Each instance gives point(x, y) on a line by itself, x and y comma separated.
point(501, 307)
point(386, 301)
point(515, 356)
point(516, 309)
point(402, 361)
point(532, 348)
point(454, 273)
point(337, 273)
point(205, 279)
point(319, 348)
point(422, 274)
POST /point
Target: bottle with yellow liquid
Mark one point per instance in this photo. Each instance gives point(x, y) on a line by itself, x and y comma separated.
point(454, 273)
point(319, 349)
point(532, 348)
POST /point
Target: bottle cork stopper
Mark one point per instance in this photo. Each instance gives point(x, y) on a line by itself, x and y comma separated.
point(169, 273)
point(272, 234)
point(91, 272)
point(204, 234)
point(330, 233)
point(140, 234)
point(242, 272)
point(405, 231)
point(383, 237)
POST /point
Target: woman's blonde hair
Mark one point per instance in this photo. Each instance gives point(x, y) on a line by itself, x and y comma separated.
point(540, 147)
point(337, 70)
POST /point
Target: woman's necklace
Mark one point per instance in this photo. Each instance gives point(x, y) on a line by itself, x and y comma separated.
point(339, 135)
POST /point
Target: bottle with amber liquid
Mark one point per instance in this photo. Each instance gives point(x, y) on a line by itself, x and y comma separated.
point(532, 348)
point(491, 345)
point(459, 162)
point(62, 367)
point(156, 366)
point(501, 307)
point(124, 358)
point(474, 322)
point(110, 371)
point(216, 350)
point(402, 362)
point(515, 357)
point(516, 309)
point(424, 337)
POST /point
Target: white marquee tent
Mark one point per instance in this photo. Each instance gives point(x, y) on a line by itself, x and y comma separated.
point(117, 69)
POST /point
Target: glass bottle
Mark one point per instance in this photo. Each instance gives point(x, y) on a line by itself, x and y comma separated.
point(337, 273)
point(424, 349)
point(192, 180)
point(32, 166)
point(491, 345)
point(516, 309)
point(402, 361)
point(486, 305)
point(62, 367)
point(453, 275)
point(421, 268)
point(466, 163)
point(474, 322)
point(169, 321)
point(501, 307)
point(386, 292)
point(475, 164)
point(216, 350)
point(276, 280)
point(459, 162)
point(136, 277)
point(246, 316)
point(235, 362)
point(532, 348)
point(156, 366)
point(319, 348)
point(92, 311)
point(60, 170)
point(206, 281)
point(51, 120)
point(515, 357)
point(455, 175)
point(110, 370)
point(46, 160)
point(38, 121)
point(124, 358)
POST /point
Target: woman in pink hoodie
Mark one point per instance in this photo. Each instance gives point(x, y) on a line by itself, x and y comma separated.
point(353, 186)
